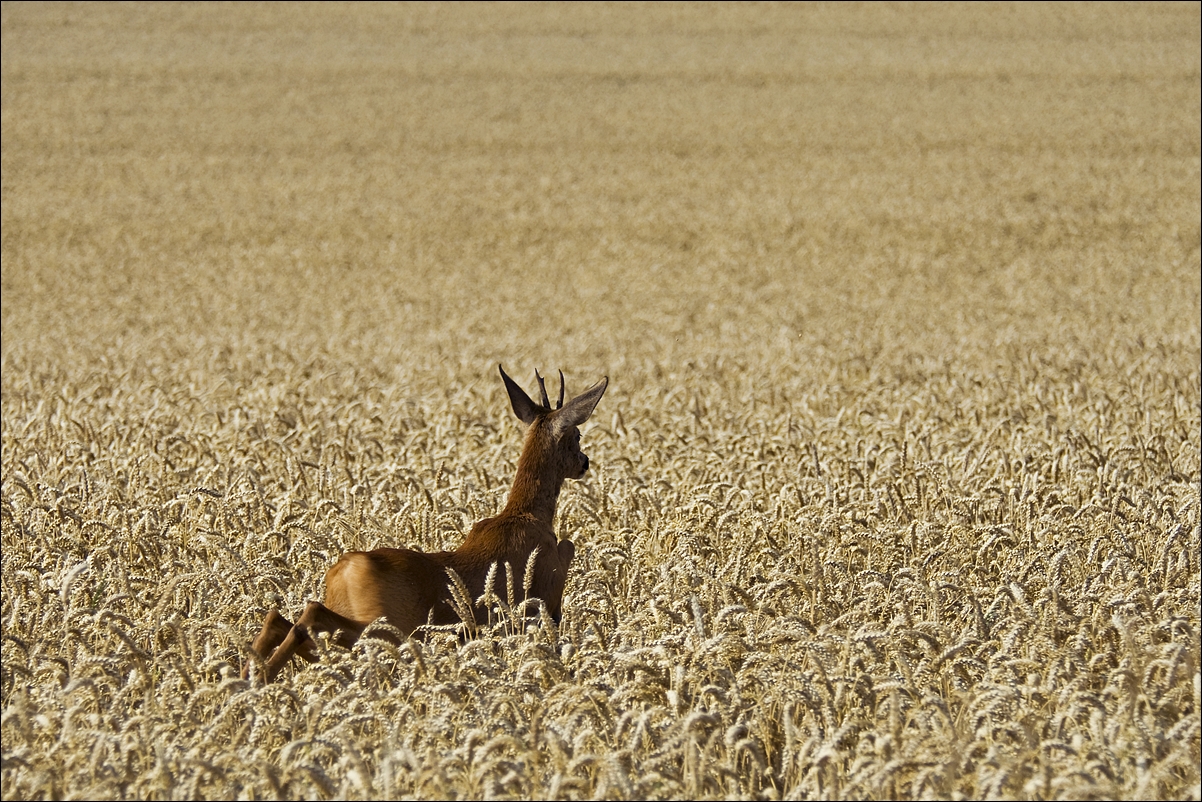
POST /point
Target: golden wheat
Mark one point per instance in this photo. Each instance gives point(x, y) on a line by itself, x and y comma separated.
point(895, 491)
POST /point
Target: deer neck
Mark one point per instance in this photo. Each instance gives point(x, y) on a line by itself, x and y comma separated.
point(535, 490)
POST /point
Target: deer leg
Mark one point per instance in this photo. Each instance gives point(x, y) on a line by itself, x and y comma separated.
point(275, 630)
point(320, 618)
point(567, 551)
point(316, 618)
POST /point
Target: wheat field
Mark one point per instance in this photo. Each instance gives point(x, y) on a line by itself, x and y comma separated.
point(894, 491)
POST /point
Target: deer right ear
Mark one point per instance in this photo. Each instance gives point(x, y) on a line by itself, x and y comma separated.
point(523, 407)
point(578, 410)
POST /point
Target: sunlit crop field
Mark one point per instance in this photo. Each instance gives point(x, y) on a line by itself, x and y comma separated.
point(894, 490)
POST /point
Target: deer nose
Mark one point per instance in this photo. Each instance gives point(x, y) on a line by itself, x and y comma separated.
point(584, 470)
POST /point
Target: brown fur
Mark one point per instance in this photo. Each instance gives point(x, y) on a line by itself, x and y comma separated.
point(410, 588)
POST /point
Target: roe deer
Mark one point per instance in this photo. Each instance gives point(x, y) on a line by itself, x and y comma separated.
point(410, 588)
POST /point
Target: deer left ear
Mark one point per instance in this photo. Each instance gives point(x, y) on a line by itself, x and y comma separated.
point(523, 407)
point(578, 410)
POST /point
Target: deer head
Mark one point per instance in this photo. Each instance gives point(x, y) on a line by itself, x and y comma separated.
point(553, 435)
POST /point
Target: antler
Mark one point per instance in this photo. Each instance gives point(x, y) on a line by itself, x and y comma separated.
point(542, 389)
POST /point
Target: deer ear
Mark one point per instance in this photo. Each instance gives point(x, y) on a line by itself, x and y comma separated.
point(523, 407)
point(578, 410)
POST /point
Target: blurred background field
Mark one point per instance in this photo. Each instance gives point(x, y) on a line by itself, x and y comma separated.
point(900, 306)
